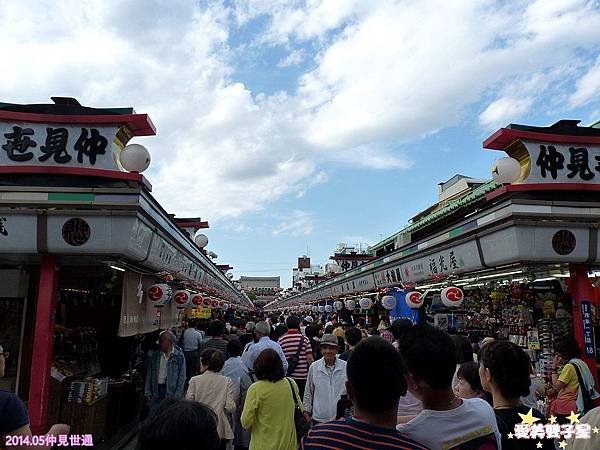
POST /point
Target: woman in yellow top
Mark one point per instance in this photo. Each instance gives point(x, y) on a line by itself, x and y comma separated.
point(569, 396)
point(269, 407)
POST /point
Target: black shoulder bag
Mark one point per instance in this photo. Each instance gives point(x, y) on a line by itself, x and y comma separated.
point(588, 403)
point(295, 359)
point(300, 423)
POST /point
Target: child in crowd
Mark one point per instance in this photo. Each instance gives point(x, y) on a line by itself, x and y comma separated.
point(469, 383)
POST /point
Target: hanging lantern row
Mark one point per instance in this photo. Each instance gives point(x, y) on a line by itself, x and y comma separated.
point(161, 294)
point(450, 296)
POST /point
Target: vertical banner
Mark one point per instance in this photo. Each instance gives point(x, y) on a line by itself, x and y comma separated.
point(402, 310)
point(588, 328)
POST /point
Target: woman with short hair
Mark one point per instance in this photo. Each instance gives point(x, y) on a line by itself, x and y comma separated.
point(269, 407)
point(214, 390)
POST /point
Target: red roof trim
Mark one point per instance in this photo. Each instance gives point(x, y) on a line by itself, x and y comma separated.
point(360, 257)
point(541, 187)
point(77, 171)
point(200, 225)
point(506, 136)
point(138, 124)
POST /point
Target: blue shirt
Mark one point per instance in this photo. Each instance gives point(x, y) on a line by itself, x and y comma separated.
point(192, 339)
point(254, 350)
point(13, 414)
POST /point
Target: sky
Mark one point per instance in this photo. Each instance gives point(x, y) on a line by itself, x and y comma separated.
point(292, 125)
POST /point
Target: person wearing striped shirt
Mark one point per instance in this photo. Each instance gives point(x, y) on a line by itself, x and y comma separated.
point(298, 352)
point(374, 404)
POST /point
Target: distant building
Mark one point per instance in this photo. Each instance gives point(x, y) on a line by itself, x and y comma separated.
point(307, 275)
point(347, 257)
point(266, 289)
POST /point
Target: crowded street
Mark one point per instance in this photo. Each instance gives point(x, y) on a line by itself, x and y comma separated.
point(245, 225)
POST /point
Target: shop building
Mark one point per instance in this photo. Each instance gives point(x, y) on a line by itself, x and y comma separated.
point(84, 251)
point(265, 288)
point(522, 251)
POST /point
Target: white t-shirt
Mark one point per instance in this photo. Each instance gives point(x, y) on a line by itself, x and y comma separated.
point(473, 422)
point(409, 405)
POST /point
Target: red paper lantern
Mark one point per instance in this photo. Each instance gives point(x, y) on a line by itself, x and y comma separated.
point(452, 296)
point(197, 300)
point(159, 294)
point(414, 299)
point(181, 297)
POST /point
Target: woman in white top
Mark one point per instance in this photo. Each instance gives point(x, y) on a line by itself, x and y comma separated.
point(214, 390)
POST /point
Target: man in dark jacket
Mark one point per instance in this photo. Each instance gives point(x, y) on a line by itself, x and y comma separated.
point(166, 371)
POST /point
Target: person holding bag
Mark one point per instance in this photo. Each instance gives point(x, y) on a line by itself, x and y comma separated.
point(573, 381)
point(298, 352)
point(272, 406)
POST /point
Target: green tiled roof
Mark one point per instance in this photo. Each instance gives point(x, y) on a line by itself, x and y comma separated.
point(477, 194)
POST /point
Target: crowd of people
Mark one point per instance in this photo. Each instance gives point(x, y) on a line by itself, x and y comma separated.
point(314, 383)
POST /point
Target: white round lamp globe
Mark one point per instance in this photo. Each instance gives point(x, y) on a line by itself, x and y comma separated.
point(506, 170)
point(135, 158)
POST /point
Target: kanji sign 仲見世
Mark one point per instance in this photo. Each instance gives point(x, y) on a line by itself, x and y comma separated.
point(57, 145)
point(563, 163)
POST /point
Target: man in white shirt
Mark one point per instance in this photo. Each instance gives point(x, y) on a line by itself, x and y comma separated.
point(252, 351)
point(446, 421)
point(326, 383)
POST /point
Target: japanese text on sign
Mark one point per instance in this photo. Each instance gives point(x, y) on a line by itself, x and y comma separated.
point(588, 329)
point(56, 145)
point(563, 163)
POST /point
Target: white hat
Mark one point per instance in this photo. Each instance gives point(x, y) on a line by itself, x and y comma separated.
point(308, 319)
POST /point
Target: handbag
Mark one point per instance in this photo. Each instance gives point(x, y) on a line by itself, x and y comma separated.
point(588, 403)
point(300, 423)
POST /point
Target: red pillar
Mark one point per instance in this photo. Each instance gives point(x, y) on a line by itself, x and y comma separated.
point(39, 386)
point(580, 291)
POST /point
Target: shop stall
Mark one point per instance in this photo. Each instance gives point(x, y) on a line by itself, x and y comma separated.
point(91, 264)
point(516, 258)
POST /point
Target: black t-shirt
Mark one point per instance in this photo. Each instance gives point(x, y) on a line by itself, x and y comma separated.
point(245, 338)
point(508, 418)
point(13, 414)
point(344, 356)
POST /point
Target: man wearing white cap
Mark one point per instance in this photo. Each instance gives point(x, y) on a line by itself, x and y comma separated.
point(305, 322)
point(326, 383)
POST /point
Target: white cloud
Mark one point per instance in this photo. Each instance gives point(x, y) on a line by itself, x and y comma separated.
point(293, 59)
point(299, 223)
point(385, 73)
point(587, 87)
point(301, 20)
point(504, 110)
point(236, 227)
